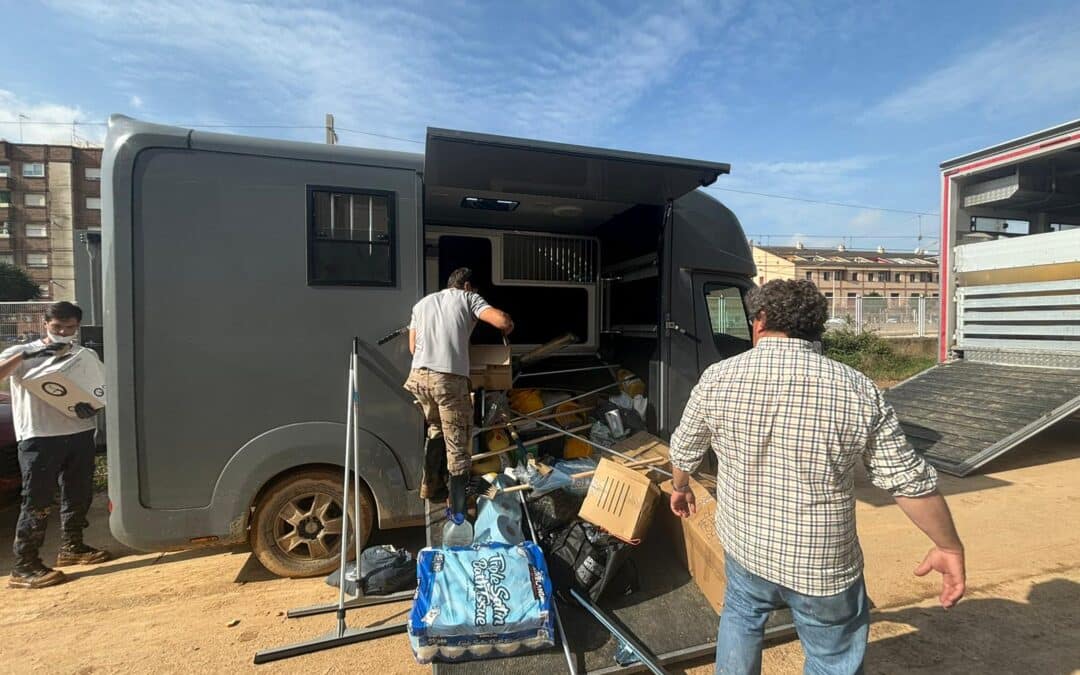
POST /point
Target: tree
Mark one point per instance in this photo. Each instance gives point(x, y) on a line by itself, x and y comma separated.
point(16, 285)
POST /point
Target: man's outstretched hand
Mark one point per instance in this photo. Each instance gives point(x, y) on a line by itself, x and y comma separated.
point(950, 564)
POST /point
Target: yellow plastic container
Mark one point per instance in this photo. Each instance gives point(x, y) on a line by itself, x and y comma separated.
point(526, 401)
point(566, 419)
point(631, 384)
point(575, 449)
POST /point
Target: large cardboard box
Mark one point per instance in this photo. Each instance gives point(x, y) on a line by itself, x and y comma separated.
point(620, 500)
point(63, 381)
point(695, 541)
point(489, 367)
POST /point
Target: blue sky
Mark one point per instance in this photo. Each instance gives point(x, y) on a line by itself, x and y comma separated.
point(845, 102)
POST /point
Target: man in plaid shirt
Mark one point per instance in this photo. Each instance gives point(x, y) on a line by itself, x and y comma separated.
point(787, 426)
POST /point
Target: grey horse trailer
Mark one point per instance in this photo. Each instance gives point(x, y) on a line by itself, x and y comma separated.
point(237, 270)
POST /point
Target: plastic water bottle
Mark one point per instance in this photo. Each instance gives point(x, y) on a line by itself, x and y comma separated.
point(458, 531)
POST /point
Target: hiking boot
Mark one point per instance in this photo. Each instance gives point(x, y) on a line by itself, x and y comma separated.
point(80, 554)
point(35, 575)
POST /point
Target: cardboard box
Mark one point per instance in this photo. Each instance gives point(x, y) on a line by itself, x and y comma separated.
point(63, 381)
point(643, 445)
point(489, 367)
point(695, 541)
point(620, 500)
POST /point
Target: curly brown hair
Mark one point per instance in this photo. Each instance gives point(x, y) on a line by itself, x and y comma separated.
point(793, 307)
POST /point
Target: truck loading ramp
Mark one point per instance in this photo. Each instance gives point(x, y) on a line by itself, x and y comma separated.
point(962, 414)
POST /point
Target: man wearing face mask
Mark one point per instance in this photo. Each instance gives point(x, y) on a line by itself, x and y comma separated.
point(52, 448)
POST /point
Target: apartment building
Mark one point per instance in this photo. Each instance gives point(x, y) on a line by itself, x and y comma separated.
point(843, 273)
point(50, 197)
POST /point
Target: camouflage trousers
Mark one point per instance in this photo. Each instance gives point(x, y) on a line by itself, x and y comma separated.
point(448, 411)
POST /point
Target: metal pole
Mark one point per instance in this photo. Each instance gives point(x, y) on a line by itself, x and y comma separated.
point(570, 666)
point(355, 410)
point(568, 370)
point(589, 442)
point(574, 398)
point(345, 506)
point(647, 658)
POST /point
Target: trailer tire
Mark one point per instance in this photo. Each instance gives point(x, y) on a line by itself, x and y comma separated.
point(295, 530)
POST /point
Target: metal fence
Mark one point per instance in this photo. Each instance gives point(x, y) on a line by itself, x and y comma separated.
point(914, 316)
point(21, 321)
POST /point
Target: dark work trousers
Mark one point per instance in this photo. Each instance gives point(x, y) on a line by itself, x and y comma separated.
point(44, 461)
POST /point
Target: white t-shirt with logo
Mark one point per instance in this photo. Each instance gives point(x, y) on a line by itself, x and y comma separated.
point(33, 417)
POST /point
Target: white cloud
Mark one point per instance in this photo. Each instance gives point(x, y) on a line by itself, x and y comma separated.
point(1032, 65)
point(136, 101)
point(395, 69)
point(44, 122)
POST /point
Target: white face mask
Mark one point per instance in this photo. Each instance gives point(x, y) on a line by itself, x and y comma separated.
point(61, 339)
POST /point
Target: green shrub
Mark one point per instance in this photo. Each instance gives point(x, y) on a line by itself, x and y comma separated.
point(873, 355)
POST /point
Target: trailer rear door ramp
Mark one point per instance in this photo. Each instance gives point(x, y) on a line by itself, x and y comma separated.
point(962, 414)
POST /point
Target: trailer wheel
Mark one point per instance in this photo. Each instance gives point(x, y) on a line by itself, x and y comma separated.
point(296, 528)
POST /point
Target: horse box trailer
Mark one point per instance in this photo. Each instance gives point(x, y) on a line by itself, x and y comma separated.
point(1010, 303)
point(237, 270)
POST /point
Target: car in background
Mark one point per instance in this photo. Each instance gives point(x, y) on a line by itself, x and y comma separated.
point(10, 477)
point(835, 323)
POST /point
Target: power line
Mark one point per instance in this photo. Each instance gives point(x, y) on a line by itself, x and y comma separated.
point(820, 201)
point(259, 125)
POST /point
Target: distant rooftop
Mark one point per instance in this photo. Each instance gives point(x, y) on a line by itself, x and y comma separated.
point(846, 256)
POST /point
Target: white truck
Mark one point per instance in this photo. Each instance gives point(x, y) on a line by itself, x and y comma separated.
point(1009, 350)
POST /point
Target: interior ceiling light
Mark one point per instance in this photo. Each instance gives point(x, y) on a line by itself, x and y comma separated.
point(567, 211)
point(488, 204)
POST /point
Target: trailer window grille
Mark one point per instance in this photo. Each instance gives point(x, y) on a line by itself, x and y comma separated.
point(549, 259)
point(350, 237)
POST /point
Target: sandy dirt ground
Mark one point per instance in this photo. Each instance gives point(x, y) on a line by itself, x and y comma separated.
point(174, 612)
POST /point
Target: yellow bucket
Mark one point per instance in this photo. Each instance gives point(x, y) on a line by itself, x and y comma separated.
point(568, 419)
point(575, 449)
point(526, 401)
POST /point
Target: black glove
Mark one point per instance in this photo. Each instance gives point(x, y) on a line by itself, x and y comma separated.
point(47, 350)
point(84, 411)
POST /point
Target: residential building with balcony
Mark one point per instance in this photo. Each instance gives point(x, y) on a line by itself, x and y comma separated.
point(843, 273)
point(50, 198)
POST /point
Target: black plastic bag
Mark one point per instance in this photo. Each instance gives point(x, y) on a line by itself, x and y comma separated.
point(581, 556)
point(553, 511)
point(383, 570)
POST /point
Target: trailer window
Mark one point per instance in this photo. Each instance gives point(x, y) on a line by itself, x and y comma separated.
point(1002, 226)
point(350, 237)
point(727, 316)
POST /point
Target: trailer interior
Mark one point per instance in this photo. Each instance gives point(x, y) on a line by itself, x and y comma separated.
point(569, 240)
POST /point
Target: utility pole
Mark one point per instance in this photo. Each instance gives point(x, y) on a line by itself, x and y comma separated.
point(21, 118)
point(331, 135)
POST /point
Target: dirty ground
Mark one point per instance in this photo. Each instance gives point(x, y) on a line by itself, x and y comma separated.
point(211, 610)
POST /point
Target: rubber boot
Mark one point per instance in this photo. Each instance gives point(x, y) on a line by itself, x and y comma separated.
point(433, 480)
point(458, 494)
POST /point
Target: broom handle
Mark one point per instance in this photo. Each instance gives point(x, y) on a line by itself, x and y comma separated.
point(629, 465)
point(530, 441)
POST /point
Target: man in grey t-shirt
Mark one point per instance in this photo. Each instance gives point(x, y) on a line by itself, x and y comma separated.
point(439, 333)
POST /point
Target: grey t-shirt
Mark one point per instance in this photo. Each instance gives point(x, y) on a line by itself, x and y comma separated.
point(443, 322)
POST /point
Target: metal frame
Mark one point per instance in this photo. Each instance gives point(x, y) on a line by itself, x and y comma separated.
point(343, 635)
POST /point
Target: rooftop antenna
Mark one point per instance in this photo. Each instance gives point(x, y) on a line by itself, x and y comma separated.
point(21, 118)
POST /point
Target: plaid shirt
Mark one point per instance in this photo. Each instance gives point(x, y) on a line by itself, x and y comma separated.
point(787, 426)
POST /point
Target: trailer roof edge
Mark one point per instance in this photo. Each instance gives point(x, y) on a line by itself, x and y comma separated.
point(1035, 137)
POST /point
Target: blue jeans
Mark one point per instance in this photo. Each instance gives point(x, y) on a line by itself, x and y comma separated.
point(833, 629)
